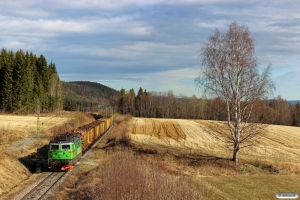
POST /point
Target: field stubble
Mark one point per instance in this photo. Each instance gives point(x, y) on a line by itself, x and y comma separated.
point(279, 144)
point(141, 154)
point(270, 166)
point(139, 159)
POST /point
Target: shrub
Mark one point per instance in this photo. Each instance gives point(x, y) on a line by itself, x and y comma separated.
point(126, 176)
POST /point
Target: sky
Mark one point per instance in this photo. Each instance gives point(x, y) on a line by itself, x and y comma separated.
point(151, 44)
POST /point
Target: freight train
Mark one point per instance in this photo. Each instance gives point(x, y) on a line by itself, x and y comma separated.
point(66, 149)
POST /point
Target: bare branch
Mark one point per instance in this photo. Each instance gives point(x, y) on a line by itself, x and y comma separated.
point(229, 71)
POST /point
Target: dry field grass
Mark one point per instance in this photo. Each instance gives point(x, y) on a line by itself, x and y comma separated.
point(165, 158)
point(279, 144)
point(113, 171)
point(272, 165)
point(176, 159)
point(18, 140)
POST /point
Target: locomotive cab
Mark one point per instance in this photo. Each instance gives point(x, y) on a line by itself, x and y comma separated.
point(64, 151)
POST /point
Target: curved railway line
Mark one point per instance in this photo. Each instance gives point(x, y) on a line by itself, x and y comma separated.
point(46, 185)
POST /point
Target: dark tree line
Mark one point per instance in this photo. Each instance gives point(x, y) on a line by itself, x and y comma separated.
point(26, 78)
point(167, 105)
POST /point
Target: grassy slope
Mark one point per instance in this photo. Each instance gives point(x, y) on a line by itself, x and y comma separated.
point(269, 167)
point(278, 148)
point(251, 187)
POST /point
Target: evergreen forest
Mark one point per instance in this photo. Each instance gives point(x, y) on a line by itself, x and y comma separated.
point(27, 81)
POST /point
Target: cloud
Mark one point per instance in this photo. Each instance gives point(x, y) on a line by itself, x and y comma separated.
point(140, 43)
point(14, 26)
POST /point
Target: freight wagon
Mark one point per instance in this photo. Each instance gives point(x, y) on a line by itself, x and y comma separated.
point(66, 149)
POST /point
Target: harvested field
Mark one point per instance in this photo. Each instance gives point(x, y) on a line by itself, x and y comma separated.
point(184, 135)
point(159, 128)
point(270, 166)
point(278, 143)
point(192, 156)
point(184, 150)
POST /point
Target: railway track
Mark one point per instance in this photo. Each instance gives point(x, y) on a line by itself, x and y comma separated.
point(45, 186)
point(42, 189)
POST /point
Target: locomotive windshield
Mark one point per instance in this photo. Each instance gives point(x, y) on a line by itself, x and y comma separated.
point(54, 147)
point(65, 147)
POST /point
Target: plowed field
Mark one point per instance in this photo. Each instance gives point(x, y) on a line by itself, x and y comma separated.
point(278, 144)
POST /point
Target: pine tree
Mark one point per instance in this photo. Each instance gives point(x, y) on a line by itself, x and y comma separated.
point(7, 59)
point(42, 81)
point(19, 80)
point(2, 62)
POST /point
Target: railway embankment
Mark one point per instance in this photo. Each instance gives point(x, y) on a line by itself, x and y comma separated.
point(19, 146)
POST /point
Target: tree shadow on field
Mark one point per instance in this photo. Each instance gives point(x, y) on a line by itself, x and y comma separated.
point(207, 165)
point(199, 160)
point(36, 160)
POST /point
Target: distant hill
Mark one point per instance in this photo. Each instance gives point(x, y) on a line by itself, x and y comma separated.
point(293, 102)
point(85, 93)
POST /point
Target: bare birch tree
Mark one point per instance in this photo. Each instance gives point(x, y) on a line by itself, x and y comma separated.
point(230, 71)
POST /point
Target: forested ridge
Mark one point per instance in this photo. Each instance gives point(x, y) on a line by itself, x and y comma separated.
point(25, 80)
point(86, 96)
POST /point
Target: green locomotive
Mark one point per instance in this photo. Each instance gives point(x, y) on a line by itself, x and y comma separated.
point(64, 151)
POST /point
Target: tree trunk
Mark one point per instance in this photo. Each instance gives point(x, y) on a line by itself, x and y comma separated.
point(235, 153)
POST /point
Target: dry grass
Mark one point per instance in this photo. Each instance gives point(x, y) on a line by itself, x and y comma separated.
point(124, 175)
point(14, 132)
point(126, 171)
point(11, 173)
point(144, 159)
point(278, 146)
point(119, 134)
point(205, 158)
point(253, 187)
point(160, 128)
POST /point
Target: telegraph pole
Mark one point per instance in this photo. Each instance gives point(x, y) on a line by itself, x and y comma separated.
point(38, 168)
point(38, 133)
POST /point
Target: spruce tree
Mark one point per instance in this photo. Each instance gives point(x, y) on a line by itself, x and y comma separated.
point(19, 80)
point(7, 60)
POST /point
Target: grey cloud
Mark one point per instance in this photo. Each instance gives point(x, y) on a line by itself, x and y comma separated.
point(136, 39)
